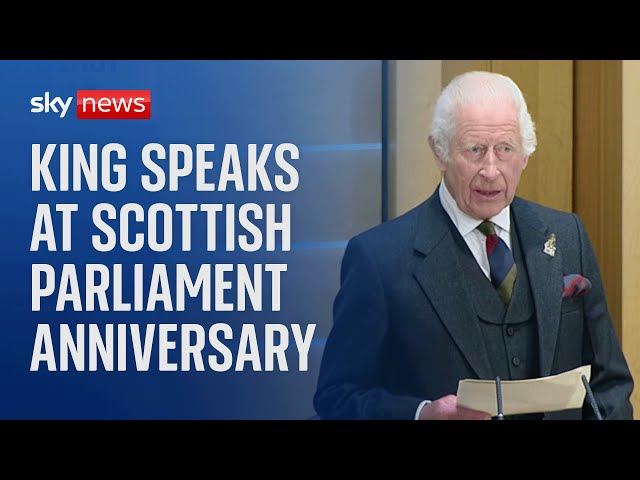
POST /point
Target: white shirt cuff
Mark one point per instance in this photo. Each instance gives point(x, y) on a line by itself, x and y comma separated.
point(422, 404)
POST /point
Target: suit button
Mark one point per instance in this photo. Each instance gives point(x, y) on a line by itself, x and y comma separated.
point(515, 361)
point(510, 331)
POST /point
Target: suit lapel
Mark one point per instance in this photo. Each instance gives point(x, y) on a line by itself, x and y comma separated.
point(545, 278)
point(441, 277)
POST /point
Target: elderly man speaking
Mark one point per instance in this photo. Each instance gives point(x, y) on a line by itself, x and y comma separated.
point(473, 283)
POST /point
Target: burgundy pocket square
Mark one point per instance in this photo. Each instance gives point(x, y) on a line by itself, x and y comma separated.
point(575, 285)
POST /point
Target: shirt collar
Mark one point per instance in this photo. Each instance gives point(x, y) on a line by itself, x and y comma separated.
point(465, 223)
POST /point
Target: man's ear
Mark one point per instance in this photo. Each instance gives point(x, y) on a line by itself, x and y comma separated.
point(440, 161)
point(525, 162)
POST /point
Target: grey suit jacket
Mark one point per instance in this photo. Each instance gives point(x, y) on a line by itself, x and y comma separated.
point(405, 329)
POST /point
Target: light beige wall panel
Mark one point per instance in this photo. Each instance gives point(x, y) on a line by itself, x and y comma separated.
point(414, 86)
point(631, 221)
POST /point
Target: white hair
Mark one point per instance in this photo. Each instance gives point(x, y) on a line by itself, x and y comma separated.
point(471, 87)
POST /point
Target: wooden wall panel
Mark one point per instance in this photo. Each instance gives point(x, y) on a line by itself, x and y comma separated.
point(598, 168)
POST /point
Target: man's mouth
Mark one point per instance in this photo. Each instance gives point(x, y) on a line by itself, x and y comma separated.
point(488, 193)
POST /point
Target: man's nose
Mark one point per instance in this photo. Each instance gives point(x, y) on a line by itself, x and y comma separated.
point(490, 165)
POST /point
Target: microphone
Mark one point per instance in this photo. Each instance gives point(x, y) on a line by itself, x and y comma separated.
point(499, 398)
point(592, 399)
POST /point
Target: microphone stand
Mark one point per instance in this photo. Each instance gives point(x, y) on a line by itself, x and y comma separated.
point(499, 398)
point(592, 399)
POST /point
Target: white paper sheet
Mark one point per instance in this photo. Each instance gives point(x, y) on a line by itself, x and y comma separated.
point(536, 395)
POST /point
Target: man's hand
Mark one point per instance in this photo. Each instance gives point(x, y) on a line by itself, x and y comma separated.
point(446, 408)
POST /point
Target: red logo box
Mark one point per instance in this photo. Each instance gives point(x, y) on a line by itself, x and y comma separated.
point(113, 104)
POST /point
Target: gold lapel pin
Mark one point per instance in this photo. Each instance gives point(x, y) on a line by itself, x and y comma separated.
point(550, 245)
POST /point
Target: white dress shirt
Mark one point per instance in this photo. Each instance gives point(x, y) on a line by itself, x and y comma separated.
point(475, 239)
point(467, 226)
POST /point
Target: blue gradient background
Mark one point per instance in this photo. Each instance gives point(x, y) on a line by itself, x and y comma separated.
point(332, 110)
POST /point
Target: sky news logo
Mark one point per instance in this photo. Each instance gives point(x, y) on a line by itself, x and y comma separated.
point(98, 104)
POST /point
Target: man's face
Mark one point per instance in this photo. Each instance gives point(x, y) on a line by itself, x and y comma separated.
point(485, 159)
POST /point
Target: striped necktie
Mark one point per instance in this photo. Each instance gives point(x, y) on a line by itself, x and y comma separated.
point(501, 263)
